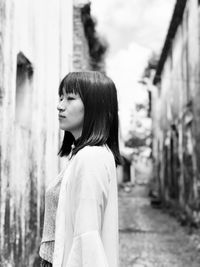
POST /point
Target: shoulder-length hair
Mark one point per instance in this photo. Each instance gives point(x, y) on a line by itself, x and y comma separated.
point(100, 126)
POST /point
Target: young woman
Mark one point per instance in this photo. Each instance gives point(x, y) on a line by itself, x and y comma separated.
point(81, 205)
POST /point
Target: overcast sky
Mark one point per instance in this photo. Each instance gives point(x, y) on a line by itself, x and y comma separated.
point(133, 29)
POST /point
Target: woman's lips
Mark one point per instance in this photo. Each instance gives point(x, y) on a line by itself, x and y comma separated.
point(61, 116)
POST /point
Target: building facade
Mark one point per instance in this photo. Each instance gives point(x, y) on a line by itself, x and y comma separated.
point(176, 112)
point(89, 49)
point(40, 42)
point(36, 50)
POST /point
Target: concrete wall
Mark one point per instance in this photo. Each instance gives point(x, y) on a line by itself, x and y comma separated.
point(35, 53)
point(176, 117)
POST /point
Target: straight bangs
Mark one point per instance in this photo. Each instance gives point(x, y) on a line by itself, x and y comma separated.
point(69, 85)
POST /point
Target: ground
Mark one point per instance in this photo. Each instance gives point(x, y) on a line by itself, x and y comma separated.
point(151, 237)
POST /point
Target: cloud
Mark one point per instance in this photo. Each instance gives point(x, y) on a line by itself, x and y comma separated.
point(133, 28)
point(142, 21)
point(126, 68)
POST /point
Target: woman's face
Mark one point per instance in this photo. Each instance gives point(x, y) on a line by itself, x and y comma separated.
point(71, 113)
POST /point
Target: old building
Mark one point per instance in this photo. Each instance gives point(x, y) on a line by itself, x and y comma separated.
point(176, 112)
point(36, 50)
point(89, 49)
point(40, 42)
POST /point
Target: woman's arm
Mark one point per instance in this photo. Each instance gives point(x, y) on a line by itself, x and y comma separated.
point(89, 198)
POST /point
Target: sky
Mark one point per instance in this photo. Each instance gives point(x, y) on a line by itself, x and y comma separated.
point(133, 29)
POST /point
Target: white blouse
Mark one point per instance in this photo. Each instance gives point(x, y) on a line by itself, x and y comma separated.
point(86, 232)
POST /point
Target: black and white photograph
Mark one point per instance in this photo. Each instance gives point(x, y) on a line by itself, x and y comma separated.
point(99, 133)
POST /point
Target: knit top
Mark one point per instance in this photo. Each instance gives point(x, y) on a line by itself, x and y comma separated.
point(51, 203)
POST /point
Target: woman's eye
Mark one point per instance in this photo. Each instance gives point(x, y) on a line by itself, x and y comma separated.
point(70, 98)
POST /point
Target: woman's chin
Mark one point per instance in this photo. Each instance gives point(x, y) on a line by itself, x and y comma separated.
point(62, 127)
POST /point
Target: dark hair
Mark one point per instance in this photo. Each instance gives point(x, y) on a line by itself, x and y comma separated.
point(99, 96)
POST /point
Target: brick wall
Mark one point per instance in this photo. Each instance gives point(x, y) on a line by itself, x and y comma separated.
point(81, 57)
point(89, 48)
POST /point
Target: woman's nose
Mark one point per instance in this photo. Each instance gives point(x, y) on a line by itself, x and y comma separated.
point(60, 106)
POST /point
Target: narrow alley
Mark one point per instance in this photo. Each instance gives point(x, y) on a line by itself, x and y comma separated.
point(118, 74)
point(150, 237)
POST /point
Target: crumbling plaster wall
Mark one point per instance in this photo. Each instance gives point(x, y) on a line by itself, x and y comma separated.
point(42, 32)
point(178, 123)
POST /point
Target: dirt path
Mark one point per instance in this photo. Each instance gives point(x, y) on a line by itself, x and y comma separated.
point(150, 237)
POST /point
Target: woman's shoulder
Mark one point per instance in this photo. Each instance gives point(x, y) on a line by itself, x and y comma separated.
point(95, 153)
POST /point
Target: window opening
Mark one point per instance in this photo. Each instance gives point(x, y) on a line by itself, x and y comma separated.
point(23, 91)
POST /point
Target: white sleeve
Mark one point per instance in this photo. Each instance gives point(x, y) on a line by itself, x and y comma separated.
point(89, 194)
point(87, 251)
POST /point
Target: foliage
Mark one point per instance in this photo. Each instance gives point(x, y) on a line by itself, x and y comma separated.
point(97, 46)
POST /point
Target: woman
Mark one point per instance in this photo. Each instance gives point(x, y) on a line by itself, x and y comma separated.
point(81, 209)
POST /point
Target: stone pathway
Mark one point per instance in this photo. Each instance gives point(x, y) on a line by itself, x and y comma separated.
point(150, 237)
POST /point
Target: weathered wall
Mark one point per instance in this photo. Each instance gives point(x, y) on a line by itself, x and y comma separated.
point(35, 52)
point(177, 118)
point(89, 48)
point(81, 58)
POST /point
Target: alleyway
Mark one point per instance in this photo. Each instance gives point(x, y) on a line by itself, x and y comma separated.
point(150, 237)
